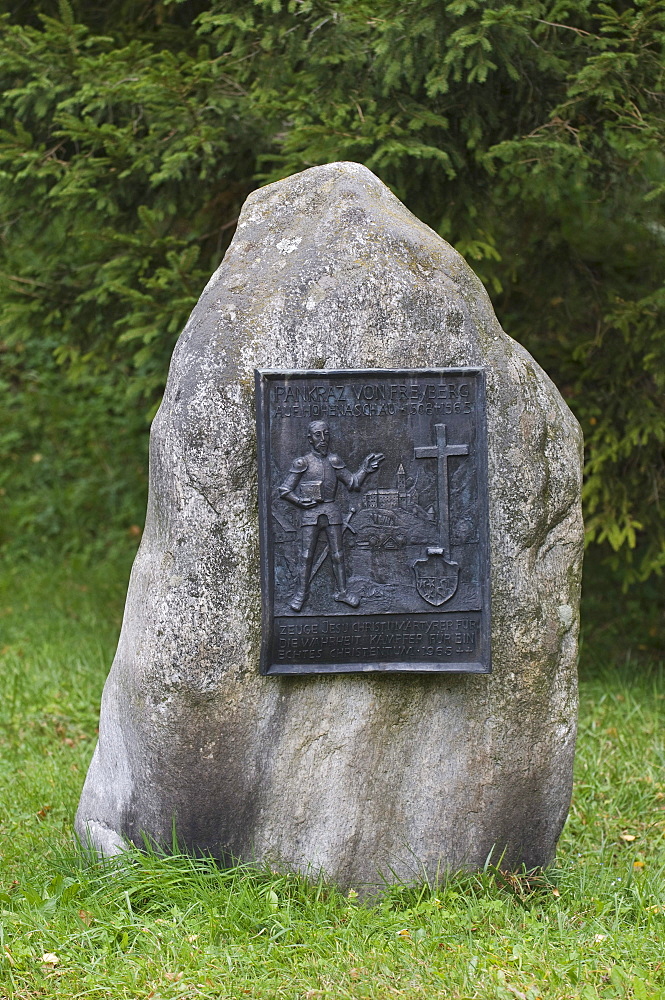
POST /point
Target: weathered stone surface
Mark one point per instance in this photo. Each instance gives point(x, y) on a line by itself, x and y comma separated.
point(352, 774)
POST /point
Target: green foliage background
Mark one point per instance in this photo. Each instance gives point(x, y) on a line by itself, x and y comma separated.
point(529, 134)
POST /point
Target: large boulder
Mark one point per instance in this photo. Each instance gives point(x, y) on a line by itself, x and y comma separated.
point(359, 776)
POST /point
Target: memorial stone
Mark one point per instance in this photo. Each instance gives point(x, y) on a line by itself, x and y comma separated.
point(401, 701)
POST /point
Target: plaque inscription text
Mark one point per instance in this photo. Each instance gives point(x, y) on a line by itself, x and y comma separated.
point(374, 525)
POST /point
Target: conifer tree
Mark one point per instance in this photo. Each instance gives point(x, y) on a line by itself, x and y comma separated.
point(529, 134)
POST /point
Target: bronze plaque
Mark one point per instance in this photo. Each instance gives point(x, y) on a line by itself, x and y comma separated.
point(374, 521)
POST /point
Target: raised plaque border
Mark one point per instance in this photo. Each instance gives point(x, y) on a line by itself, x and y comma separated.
point(263, 378)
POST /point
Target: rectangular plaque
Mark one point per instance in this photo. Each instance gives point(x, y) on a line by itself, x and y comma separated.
point(373, 521)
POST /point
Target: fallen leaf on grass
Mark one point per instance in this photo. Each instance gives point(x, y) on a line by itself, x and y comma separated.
point(48, 958)
point(515, 992)
point(86, 917)
point(174, 977)
point(629, 837)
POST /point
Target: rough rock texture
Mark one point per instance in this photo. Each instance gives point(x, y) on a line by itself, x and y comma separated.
point(356, 775)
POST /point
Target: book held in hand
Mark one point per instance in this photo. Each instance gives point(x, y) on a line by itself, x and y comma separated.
point(310, 491)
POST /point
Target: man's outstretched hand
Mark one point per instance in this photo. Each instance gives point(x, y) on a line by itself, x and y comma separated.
point(372, 462)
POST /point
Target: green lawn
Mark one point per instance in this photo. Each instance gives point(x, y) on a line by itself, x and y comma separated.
point(592, 926)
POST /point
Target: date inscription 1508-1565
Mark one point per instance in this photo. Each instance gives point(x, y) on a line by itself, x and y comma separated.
point(374, 524)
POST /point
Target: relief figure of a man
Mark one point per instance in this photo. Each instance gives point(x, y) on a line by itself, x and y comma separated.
point(312, 485)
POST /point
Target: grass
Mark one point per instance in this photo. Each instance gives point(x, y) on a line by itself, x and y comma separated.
point(591, 926)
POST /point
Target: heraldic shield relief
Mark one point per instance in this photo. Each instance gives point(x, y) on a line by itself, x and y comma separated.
point(373, 515)
point(436, 578)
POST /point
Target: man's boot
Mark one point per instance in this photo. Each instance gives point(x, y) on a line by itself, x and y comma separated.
point(342, 594)
point(298, 600)
point(347, 597)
